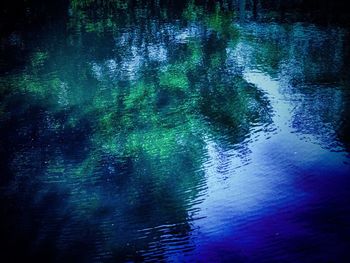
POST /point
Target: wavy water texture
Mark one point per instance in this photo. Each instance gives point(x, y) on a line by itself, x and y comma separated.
point(138, 132)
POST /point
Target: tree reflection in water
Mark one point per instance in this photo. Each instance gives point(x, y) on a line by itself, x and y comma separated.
point(108, 116)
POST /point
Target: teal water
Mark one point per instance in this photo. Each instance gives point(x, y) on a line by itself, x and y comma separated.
point(185, 136)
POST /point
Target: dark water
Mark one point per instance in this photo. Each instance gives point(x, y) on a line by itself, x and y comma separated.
point(177, 134)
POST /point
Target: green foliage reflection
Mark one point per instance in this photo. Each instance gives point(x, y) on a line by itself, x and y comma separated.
point(120, 114)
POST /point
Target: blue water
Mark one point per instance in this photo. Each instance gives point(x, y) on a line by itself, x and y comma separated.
point(193, 138)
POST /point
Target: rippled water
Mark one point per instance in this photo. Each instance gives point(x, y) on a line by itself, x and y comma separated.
point(191, 137)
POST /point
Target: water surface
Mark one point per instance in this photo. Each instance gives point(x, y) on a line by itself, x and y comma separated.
point(151, 134)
